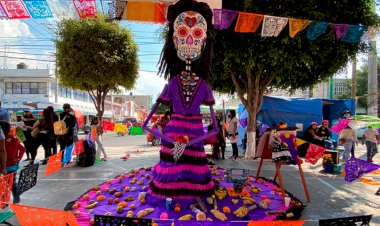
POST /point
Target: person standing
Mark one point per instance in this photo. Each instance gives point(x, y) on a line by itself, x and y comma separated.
point(347, 115)
point(4, 115)
point(14, 151)
point(348, 136)
point(53, 137)
point(45, 126)
point(232, 133)
point(68, 117)
point(29, 121)
point(371, 139)
point(3, 154)
point(97, 132)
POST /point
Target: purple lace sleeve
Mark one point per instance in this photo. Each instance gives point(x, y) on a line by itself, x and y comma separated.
point(165, 97)
point(209, 98)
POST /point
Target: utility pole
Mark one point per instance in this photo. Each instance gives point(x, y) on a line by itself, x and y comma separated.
point(353, 79)
point(372, 98)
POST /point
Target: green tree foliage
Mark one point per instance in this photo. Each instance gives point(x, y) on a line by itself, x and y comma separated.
point(362, 84)
point(250, 64)
point(96, 56)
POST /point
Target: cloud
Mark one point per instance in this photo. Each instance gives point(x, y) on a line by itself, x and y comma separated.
point(14, 28)
point(149, 83)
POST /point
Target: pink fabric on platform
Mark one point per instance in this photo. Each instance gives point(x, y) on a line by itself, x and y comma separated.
point(180, 134)
point(185, 185)
point(179, 168)
point(186, 152)
point(186, 124)
point(187, 117)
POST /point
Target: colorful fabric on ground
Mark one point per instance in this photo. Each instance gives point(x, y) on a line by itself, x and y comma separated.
point(296, 25)
point(38, 9)
point(276, 223)
point(130, 185)
point(68, 154)
point(54, 164)
point(35, 216)
point(314, 153)
point(28, 178)
point(369, 181)
point(355, 168)
point(108, 126)
point(340, 30)
point(248, 22)
point(354, 34)
point(3, 15)
point(316, 29)
point(272, 26)
point(342, 123)
point(15, 9)
point(6, 183)
point(20, 134)
point(145, 12)
point(223, 18)
point(78, 147)
point(85, 8)
point(119, 128)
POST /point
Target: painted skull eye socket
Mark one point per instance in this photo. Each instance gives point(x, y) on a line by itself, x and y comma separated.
point(197, 33)
point(182, 32)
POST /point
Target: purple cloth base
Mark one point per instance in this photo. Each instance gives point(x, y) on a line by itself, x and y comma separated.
point(160, 207)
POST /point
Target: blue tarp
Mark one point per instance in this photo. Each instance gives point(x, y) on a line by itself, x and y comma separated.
point(297, 111)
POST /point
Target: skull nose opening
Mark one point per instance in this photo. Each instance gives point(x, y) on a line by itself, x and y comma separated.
point(189, 40)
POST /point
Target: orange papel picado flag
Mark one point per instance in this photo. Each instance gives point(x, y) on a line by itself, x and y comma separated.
point(36, 216)
point(6, 183)
point(297, 25)
point(248, 22)
point(54, 163)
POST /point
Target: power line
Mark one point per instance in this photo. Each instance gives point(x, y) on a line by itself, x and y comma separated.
point(22, 58)
point(38, 54)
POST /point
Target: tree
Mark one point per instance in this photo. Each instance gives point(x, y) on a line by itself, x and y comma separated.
point(248, 64)
point(97, 57)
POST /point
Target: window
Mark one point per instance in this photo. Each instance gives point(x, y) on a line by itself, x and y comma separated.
point(8, 88)
point(16, 88)
point(42, 88)
point(25, 88)
point(33, 88)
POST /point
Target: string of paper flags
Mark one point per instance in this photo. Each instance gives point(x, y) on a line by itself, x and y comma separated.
point(154, 12)
point(273, 25)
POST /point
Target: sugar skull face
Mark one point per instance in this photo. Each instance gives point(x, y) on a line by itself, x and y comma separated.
point(189, 35)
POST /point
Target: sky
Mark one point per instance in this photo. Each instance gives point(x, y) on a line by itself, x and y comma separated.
point(30, 41)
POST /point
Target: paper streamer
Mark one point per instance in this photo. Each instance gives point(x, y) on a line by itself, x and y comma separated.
point(272, 26)
point(35, 216)
point(355, 168)
point(6, 183)
point(38, 9)
point(54, 164)
point(15, 9)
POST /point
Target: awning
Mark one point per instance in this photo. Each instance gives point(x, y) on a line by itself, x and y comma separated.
point(17, 109)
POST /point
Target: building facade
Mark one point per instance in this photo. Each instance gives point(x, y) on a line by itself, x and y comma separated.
point(31, 89)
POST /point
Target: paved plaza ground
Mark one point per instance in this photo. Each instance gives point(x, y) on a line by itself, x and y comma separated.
point(331, 196)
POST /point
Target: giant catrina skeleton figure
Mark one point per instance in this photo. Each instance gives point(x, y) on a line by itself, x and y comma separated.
point(185, 61)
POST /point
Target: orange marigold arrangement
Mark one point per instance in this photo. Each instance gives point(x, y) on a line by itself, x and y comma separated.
point(182, 139)
point(327, 160)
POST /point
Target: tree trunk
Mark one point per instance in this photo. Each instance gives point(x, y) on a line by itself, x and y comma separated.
point(251, 134)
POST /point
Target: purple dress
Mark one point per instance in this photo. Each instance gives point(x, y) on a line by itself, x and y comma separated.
point(189, 176)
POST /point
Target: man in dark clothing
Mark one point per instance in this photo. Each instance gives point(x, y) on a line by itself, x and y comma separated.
point(68, 117)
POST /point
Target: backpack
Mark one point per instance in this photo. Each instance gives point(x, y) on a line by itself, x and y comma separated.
point(59, 126)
